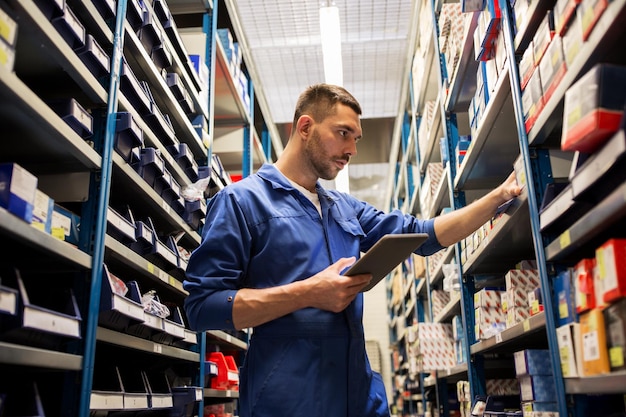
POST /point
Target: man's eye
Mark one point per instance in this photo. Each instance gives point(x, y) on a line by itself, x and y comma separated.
point(343, 133)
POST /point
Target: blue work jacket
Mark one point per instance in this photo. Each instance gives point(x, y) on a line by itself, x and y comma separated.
point(262, 232)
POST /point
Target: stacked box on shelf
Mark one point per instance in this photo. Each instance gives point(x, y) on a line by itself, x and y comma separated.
point(436, 346)
point(462, 147)
point(439, 300)
point(451, 22)
point(425, 124)
point(615, 322)
point(487, 30)
point(518, 283)
point(533, 370)
point(489, 319)
point(43, 206)
point(460, 337)
point(593, 108)
point(18, 187)
point(432, 178)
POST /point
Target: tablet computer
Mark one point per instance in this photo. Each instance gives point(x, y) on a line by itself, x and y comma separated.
point(385, 255)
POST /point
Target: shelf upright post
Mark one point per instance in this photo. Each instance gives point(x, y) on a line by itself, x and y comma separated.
point(266, 142)
point(101, 186)
point(209, 27)
point(248, 136)
point(546, 292)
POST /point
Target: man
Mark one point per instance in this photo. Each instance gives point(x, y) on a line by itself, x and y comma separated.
point(272, 252)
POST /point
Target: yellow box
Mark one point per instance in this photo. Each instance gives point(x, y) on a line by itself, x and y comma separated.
point(595, 358)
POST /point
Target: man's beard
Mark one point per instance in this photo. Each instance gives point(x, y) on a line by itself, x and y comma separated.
point(319, 161)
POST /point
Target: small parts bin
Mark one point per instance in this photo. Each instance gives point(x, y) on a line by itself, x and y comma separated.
point(227, 373)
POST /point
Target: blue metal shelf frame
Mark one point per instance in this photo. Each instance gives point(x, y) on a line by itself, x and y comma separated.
point(457, 200)
point(533, 194)
point(248, 136)
point(104, 185)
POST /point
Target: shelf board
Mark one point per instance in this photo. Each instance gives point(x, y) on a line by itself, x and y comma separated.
point(190, 6)
point(438, 271)
point(25, 116)
point(456, 373)
point(509, 241)
point(122, 256)
point(138, 58)
point(537, 10)
point(431, 151)
point(14, 229)
point(40, 41)
point(591, 230)
point(221, 393)
point(606, 35)
point(504, 340)
point(451, 309)
point(22, 355)
point(613, 383)
point(126, 182)
point(133, 342)
point(495, 146)
point(222, 338)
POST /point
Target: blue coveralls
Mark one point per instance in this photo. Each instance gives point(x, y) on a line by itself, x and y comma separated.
point(262, 232)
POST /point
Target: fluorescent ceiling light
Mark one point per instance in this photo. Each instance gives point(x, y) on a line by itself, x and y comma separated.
point(333, 67)
point(331, 44)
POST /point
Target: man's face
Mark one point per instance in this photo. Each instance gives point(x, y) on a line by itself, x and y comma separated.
point(333, 142)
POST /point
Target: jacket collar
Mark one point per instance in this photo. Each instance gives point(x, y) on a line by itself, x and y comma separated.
point(270, 173)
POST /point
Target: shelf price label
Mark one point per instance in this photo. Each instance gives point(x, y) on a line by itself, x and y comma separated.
point(565, 239)
point(498, 337)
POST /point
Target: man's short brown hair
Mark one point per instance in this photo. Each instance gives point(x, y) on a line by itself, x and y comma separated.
point(319, 100)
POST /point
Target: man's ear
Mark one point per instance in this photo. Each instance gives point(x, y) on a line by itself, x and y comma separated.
point(304, 126)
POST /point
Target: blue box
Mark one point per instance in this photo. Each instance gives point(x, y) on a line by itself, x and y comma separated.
point(65, 225)
point(533, 362)
point(17, 190)
point(195, 212)
point(537, 388)
point(564, 299)
point(134, 13)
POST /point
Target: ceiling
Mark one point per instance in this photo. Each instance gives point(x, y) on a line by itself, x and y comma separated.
point(282, 49)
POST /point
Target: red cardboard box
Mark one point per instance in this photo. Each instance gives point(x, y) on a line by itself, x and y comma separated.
point(611, 264)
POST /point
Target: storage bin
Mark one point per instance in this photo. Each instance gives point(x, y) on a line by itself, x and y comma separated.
point(152, 325)
point(160, 124)
point(70, 28)
point(47, 315)
point(94, 57)
point(159, 392)
point(106, 392)
point(121, 227)
point(186, 401)
point(132, 89)
point(185, 159)
point(128, 135)
point(133, 388)
point(118, 311)
point(75, 115)
point(51, 8)
point(151, 165)
point(195, 212)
